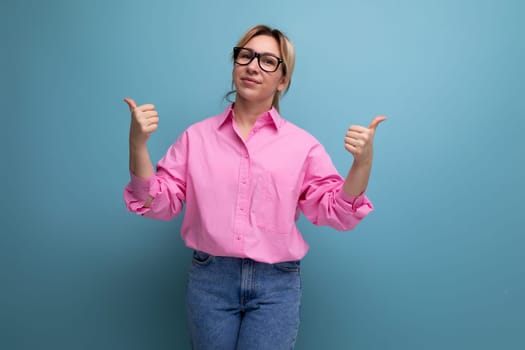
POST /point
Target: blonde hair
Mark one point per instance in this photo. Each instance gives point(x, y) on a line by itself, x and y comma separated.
point(287, 52)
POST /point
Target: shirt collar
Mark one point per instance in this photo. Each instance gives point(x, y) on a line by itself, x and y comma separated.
point(271, 117)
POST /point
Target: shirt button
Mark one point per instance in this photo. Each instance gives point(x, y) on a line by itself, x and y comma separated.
point(238, 238)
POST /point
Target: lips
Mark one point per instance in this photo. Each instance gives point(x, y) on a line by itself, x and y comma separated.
point(250, 81)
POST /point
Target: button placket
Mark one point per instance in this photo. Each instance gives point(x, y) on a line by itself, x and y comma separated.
point(242, 198)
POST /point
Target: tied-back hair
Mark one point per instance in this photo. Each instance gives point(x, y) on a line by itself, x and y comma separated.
point(287, 53)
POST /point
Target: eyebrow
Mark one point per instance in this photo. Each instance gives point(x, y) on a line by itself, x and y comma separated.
point(262, 53)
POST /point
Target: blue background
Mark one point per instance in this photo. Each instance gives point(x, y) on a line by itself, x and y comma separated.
point(438, 265)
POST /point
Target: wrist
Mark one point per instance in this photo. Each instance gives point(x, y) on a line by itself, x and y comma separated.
point(362, 163)
point(137, 144)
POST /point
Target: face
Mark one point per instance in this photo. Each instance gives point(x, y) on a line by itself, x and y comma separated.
point(254, 85)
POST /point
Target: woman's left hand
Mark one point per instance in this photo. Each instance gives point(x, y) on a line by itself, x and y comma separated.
point(359, 141)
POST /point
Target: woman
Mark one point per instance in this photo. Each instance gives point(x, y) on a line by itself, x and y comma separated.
point(244, 176)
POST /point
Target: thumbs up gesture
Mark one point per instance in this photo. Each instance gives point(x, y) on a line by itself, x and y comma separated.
point(144, 121)
point(359, 140)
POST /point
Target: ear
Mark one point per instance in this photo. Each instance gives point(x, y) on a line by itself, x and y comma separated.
point(282, 84)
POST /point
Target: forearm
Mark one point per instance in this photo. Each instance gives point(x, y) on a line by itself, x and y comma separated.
point(356, 181)
point(139, 160)
point(140, 164)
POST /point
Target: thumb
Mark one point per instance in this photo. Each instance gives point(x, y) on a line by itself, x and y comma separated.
point(373, 125)
point(131, 103)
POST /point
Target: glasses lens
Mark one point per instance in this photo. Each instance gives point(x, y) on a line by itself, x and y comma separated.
point(243, 56)
point(269, 63)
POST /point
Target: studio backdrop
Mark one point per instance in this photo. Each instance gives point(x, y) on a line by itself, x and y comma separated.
point(439, 264)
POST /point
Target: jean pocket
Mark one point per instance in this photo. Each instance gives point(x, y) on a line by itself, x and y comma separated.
point(201, 258)
point(288, 266)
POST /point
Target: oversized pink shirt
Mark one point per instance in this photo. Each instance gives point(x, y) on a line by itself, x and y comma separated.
point(243, 198)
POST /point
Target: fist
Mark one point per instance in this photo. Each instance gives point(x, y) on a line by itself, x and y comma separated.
point(359, 140)
point(144, 121)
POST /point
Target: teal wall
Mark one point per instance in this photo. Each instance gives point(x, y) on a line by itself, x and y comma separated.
point(440, 264)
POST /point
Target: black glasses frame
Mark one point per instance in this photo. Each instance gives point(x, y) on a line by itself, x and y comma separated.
point(236, 51)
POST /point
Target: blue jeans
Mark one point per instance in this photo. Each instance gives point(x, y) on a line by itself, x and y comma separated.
point(241, 304)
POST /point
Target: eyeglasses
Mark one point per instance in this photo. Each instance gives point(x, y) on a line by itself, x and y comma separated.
point(268, 62)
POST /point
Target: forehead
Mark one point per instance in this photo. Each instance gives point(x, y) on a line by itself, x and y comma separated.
point(263, 44)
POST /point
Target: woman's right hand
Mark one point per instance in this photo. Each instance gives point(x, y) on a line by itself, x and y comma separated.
point(144, 121)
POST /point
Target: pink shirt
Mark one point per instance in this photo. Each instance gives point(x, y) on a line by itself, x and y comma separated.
point(243, 198)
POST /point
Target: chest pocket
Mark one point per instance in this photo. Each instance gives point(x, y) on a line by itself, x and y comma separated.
point(274, 202)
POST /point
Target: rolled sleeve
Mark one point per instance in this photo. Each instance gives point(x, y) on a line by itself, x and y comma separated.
point(359, 205)
point(137, 192)
point(142, 188)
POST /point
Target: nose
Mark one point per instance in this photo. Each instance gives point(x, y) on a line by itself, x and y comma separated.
point(253, 65)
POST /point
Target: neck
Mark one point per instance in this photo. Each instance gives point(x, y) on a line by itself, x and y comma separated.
point(248, 113)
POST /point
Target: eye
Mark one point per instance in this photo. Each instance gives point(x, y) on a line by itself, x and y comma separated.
point(245, 54)
point(269, 60)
